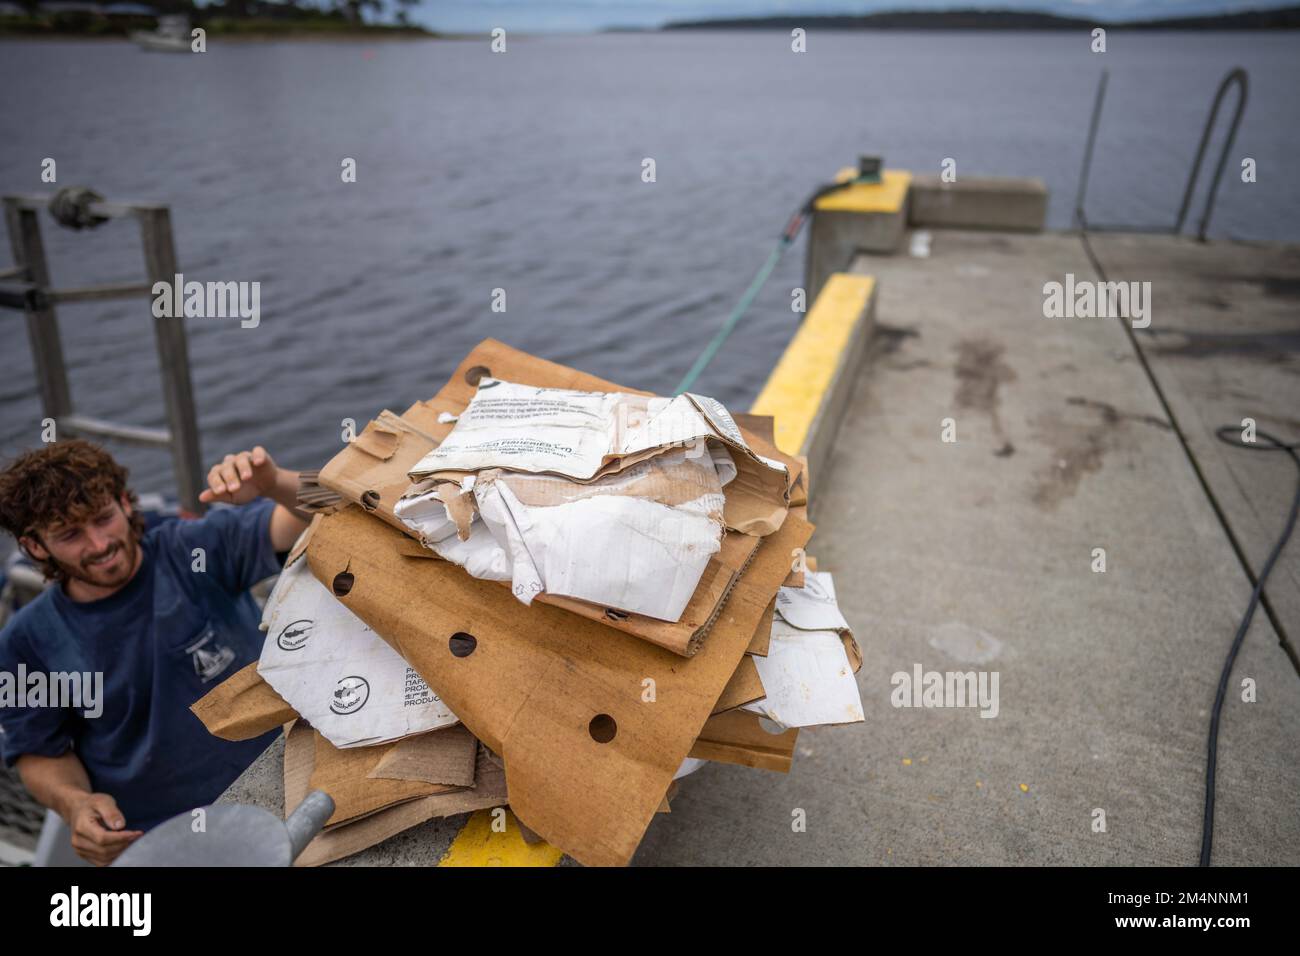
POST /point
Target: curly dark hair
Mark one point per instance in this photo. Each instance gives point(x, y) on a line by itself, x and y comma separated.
point(64, 483)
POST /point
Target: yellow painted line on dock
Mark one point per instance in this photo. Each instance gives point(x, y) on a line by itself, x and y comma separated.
point(797, 387)
point(478, 844)
point(886, 196)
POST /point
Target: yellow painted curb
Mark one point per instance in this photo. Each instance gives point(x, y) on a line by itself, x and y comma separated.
point(798, 385)
point(888, 195)
point(478, 844)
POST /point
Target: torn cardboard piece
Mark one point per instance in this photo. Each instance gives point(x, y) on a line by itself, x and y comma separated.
point(444, 757)
point(739, 737)
point(242, 707)
point(337, 843)
point(744, 687)
point(637, 541)
point(345, 774)
point(763, 633)
point(585, 435)
point(808, 673)
point(556, 475)
point(375, 483)
point(558, 696)
point(336, 672)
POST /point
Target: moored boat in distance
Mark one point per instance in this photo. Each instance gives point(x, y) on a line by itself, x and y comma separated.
point(172, 35)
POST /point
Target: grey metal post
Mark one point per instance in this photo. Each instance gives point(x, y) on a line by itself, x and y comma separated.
point(173, 359)
point(42, 325)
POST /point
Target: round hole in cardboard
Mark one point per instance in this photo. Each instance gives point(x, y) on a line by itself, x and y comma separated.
point(343, 582)
point(602, 728)
point(477, 373)
point(614, 615)
point(370, 500)
point(462, 644)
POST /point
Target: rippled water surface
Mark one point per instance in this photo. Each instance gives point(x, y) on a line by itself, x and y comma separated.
point(522, 171)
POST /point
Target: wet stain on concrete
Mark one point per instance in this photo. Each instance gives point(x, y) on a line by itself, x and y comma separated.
point(1274, 286)
point(1113, 416)
point(964, 643)
point(1074, 451)
point(1280, 287)
point(1187, 343)
point(980, 372)
point(1216, 302)
point(888, 339)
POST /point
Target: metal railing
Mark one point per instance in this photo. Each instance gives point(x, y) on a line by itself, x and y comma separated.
point(1236, 76)
point(28, 287)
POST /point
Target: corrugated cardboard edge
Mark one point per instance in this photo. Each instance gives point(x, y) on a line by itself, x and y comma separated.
point(737, 737)
point(744, 687)
point(763, 633)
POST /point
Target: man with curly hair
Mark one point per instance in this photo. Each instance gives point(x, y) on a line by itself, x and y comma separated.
point(164, 615)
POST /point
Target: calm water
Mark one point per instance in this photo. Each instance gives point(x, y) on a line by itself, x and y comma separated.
point(522, 171)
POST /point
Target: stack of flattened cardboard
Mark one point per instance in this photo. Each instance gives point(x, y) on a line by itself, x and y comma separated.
point(591, 710)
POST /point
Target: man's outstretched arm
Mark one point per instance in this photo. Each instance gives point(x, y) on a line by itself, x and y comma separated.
point(61, 783)
point(242, 477)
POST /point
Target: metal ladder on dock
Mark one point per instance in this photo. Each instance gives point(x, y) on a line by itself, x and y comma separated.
point(1237, 76)
point(27, 287)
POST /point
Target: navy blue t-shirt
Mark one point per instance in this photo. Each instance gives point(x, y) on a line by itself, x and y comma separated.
point(163, 641)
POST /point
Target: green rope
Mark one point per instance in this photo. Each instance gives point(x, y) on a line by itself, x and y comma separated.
point(788, 236)
point(730, 325)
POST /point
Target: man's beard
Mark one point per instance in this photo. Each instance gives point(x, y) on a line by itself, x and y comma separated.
point(115, 573)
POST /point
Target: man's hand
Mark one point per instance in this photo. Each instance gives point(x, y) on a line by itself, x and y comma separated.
point(61, 783)
point(97, 829)
point(240, 478)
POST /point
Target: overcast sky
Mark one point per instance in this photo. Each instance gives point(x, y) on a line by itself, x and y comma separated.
point(564, 15)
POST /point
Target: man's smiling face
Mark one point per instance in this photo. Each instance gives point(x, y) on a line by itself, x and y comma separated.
point(100, 551)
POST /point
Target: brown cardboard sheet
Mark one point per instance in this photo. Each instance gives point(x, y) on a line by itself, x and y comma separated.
point(545, 688)
point(738, 737)
point(242, 707)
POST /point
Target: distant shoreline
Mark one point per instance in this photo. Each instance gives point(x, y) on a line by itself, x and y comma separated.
point(62, 27)
point(228, 38)
point(1282, 18)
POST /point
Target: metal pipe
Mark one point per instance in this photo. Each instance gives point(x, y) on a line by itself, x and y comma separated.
point(308, 820)
point(1237, 75)
point(92, 293)
point(134, 434)
point(1079, 218)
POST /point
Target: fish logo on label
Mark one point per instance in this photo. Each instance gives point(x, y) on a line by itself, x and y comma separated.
point(350, 695)
point(295, 635)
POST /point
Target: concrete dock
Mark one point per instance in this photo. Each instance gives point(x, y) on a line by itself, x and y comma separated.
point(979, 554)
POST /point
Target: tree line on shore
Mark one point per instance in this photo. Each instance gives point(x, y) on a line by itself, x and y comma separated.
point(239, 15)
